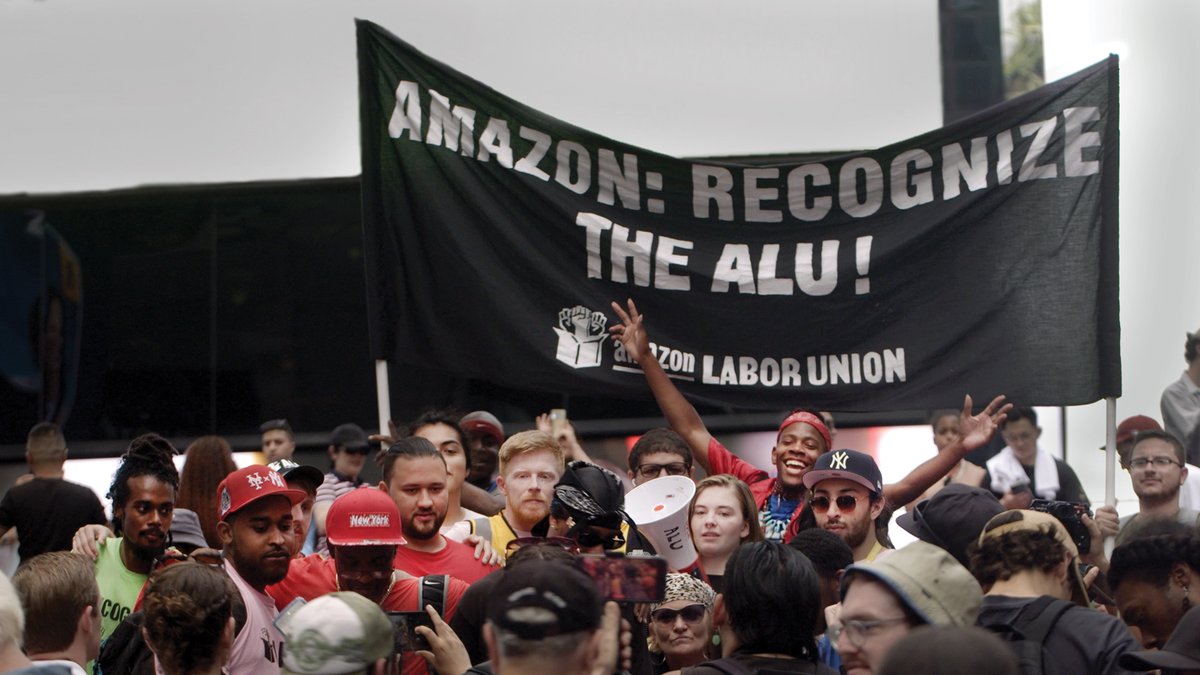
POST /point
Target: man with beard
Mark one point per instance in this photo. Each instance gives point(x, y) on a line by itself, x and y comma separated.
point(1157, 469)
point(531, 462)
point(416, 477)
point(143, 495)
point(846, 496)
point(801, 438)
point(364, 533)
point(254, 508)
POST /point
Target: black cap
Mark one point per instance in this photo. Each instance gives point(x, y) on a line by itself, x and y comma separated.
point(349, 436)
point(952, 518)
point(847, 464)
point(589, 491)
point(286, 468)
point(544, 598)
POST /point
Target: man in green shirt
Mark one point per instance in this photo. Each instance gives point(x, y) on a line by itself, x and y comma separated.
point(143, 495)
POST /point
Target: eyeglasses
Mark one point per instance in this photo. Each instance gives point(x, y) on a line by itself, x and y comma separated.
point(857, 631)
point(655, 470)
point(691, 614)
point(845, 503)
point(589, 538)
point(1158, 462)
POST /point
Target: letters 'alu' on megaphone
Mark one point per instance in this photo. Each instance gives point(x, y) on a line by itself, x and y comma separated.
point(660, 509)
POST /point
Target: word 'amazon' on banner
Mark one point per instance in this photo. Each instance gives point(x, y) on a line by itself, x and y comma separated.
point(978, 258)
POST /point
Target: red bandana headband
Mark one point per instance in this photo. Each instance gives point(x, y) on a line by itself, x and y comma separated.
point(809, 419)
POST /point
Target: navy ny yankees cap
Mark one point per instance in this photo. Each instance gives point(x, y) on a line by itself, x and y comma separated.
point(848, 464)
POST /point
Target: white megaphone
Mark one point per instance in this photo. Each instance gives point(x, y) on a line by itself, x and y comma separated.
point(660, 509)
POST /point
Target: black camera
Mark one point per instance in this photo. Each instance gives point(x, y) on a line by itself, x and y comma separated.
point(1070, 515)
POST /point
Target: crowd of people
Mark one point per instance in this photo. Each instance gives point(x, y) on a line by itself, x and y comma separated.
point(484, 552)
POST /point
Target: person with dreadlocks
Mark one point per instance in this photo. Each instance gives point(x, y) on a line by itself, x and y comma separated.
point(143, 494)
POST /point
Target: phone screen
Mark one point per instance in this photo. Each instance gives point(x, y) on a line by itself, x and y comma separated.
point(405, 638)
point(626, 578)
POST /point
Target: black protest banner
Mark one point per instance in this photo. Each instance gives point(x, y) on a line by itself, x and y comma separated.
point(978, 258)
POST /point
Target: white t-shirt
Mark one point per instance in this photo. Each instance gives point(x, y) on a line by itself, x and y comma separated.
point(258, 648)
point(460, 530)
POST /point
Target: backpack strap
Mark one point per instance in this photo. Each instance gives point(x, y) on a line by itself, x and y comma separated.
point(1030, 628)
point(1038, 618)
point(433, 592)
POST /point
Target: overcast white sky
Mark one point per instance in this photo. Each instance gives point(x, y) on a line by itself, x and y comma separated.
point(127, 92)
point(114, 93)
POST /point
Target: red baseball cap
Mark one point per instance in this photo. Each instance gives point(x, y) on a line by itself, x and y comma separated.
point(250, 484)
point(364, 517)
point(1132, 426)
point(483, 422)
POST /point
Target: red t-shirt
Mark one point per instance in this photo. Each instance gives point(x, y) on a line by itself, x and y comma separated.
point(721, 460)
point(315, 575)
point(457, 560)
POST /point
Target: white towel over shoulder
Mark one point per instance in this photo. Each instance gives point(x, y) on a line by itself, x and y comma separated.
point(1006, 471)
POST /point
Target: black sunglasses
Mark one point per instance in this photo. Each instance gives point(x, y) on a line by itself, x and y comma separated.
point(690, 614)
point(845, 503)
point(589, 538)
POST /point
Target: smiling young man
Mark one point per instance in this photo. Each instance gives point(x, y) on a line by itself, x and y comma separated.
point(531, 462)
point(1157, 470)
point(801, 438)
point(254, 508)
point(416, 477)
point(846, 496)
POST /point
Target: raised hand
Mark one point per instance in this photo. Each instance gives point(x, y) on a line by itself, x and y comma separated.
point(976, 430)
point(630, 333)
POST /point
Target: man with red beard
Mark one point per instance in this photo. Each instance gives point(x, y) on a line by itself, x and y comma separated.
point(254, 508)
point(416, 477)
point(364, 532)
point(846, 496)
point(531, 462)
point(802, 437)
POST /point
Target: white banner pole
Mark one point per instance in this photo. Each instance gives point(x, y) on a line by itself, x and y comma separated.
point(1110, 445)
point(383, 395)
